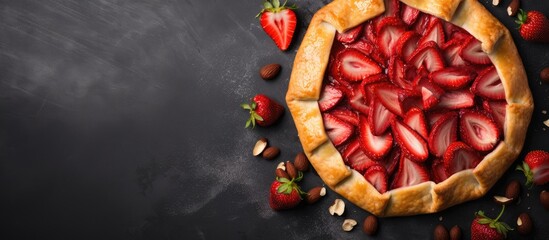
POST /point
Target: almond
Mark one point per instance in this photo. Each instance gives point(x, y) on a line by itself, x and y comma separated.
point(455, 233)
point(315, 194)
point(544, 199)
point(280, 173)
point(524, 224)
point(370, 225)
point(271, 153)
point(291, 170)
point(513, 8)
point(544, 74)
point(269, 71)
point(260, 145)
point(512, 190)
point(502, 200)
point(441, 233)
point(301, 162)
point(495, 2)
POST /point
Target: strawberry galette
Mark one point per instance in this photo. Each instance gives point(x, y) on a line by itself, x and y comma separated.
point(409, 108)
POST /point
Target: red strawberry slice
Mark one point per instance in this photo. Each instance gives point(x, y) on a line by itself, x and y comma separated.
point(329, 97)
point(454, 32)
point(389, 30)
point(443, 133)
point(407, 43)
point(388, 94)
point(430, 92)
point(451, 51)
point(370, 30)
point(434, 33)
point(471, 51)
point(396, 73)
point(279, 23)
point(415, 119)
point(438, 171)
point(355, 158)
point(453, 78)
point(409, 173)
point(338, 130)
point(488, 85)
point(378, 177)
point(356, 66)
point(408, 14)
point(434, 116)
point(457, 99)
point(422, 23)
point(427, 55)
point(497, 109)
point(380, 118)
point(350, 35)
point(460, 157)
point(412, 144)
point(358, 102)
point(410, 100)
point(345, 115)
point(369, 49)
point(392, 8)
point(380, 77)
point(478, 130)
point(392, 159)
point(375, 147)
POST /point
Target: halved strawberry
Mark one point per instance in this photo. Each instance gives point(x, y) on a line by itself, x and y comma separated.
point(387, 94)
point(415, 119)
point(412, 144)
point(355, 158)
point(457, 99)
point(430, 92)
point(488, 85)
point(380, 118)
point(279, 22)
point(338, 130)
point(345, 115)
point(434, 33)
point(460, 157)
point(369, 49)
point(378, 177)
point(497, 109)
point(443, 133)
point(375, 147)
point(471, 51)
point(427, 55)
point(350, 35)
point(408, 14)
point(478, 130)
point(329, 97)
point(406, 44)
point(396, 73)
point(453, 78)
point(409, 173)
point(389, 30)
point(358, 102)
point(451, 50)
point(438, 171)
point(356, 66)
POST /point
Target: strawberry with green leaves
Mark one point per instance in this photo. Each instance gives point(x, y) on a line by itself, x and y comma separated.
point(485, 228)
point(533, 26)
point(279, 22)
point(535, 167)
point(263, 110)
point(285, 193)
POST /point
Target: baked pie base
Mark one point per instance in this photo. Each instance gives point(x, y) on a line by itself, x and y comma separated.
point(428, 197)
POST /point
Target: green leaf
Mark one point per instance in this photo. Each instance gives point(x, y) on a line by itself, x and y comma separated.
point(276, 3)
point(246, 106)
point(282, 188)
point(248, 123)
point(485, 221)
point(284, 180)
point(267, 5)
point(257, 117)
point(254, 105)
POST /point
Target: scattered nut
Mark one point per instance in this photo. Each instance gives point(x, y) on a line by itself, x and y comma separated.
point(269, 71)
point(513, 8)
point(271, 153)
point(441, 233)
point(546, 122)
point(338, 207)
point(544, 74)
point(370, 225)
point(544, 199)
point(502, 200)
point(301, 162)
point(348, 224)
point(495, 2)
point(524, 224)
point(282, 174)
point(315, 194)
point(455, 233)
point(512, 190)
point(281, 166)
point(290, 169)
point(260, 145)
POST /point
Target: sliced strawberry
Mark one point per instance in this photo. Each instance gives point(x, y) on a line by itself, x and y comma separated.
point(279, 23)
point(457, 99)
point(453, 78)
point(396, 73)
point(443, 133)
point(391, 160)
point(410, 100)
point(438, 171)
point(387, 94)
point(355, 158)
point(434, 33)
point(415, 119)
point(434, 116)
point(378, 177)
point(356, 66)
point(471, 51)
point(375, 147)
point(497, 109)
point(454, 32)
point(451, 51)
point(389, 30)
point(350, 35)
point(460, 157)
point(369, 49)
point(370, 30)
point(427, 55)
point(329, 97)
point(408, 14)
point(430, 92)
point(406, 44)
point(392, 8)
point(338, 130)
point(357, 101)
point(380, 118)
point(345, 115)
point(488, 85)
point(412, 144)
point(478, 130)
point(409, 173)
point(380, 77)
point(422, 23)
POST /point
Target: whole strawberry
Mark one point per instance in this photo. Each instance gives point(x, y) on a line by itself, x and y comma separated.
point(263, 111)
point(533, 26)
point(285, 193)
point(535, 167)
point(485, 228)
point(279, 22)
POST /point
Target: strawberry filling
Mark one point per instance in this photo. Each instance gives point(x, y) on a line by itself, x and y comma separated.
point(410, 98)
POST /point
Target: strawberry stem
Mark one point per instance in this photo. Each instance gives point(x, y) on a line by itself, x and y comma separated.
point(524, 168)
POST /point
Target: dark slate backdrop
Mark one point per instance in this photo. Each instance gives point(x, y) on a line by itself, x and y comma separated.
point(120, 119)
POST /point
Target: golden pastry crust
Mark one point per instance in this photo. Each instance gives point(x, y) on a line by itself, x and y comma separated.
point(306, 83)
